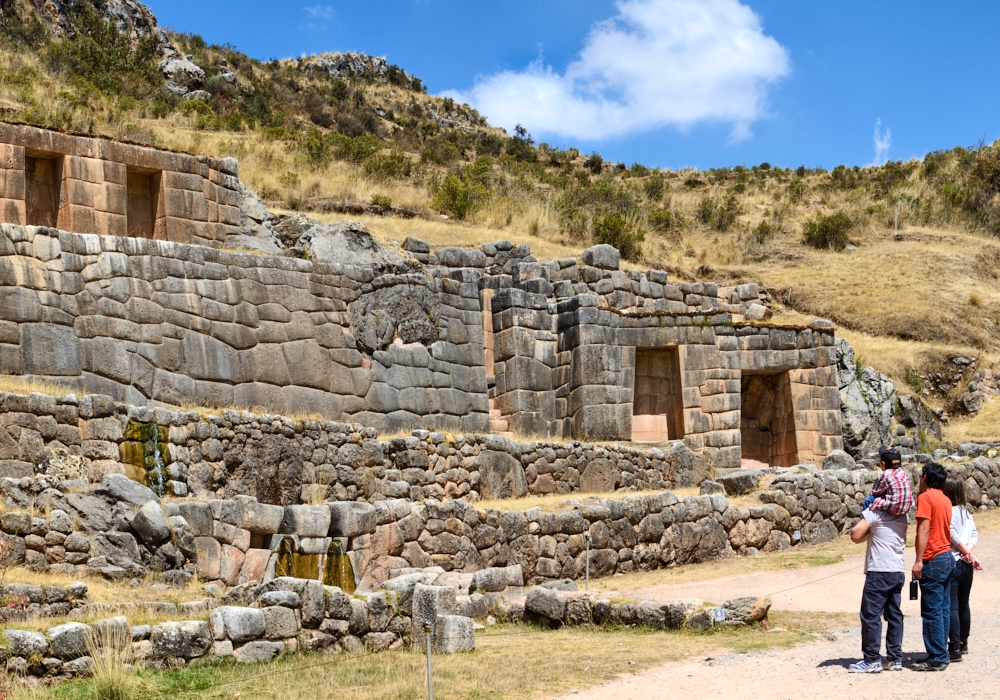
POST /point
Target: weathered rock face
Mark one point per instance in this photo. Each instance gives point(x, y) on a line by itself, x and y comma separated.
point(867, 404)
point(350, 243)
point(405, 311)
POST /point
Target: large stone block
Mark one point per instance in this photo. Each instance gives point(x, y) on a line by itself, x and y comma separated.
point(351, 519)
point(238, 624)
point(546, 603)
point(50, 350)
point(306, 521)
point(260, 518)
point(429, 604)
point(603, 256)
point(500, 476)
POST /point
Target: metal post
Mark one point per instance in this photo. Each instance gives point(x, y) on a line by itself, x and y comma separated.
point(430, 669)
point(586, 584)
point(895, 223)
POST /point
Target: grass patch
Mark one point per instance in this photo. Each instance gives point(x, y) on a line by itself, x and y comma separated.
point(797, 557)
point(573, 658)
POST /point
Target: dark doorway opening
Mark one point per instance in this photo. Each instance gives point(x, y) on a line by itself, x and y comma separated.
point(142, 191)
point(767, 420)
point(657, 407)
point(43, 184)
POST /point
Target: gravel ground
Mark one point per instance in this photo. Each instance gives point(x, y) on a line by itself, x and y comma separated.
point(818, 669)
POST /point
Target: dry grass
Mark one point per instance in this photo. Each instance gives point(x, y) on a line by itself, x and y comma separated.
point(29, 385)
point(793, 558)
point(982, 427)
point(102, 591)
point(505, 665)
point(555, 501)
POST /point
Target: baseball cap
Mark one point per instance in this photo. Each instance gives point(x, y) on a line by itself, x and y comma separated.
point(890, 456)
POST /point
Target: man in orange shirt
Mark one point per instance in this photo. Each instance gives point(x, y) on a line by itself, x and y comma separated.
point(933, 566)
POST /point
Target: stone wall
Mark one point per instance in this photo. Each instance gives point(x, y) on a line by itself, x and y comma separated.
point(86, 183)
point(283, 461)
point(142, 320)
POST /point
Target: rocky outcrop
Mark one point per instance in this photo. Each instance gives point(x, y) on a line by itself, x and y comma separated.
point(867, 404)
point(348, 65)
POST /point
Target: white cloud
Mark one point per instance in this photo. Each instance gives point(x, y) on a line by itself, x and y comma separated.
point(882, 142)
point(321, 12)
point(656, 63)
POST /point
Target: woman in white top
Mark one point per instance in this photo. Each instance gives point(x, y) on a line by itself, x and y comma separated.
point(964, 538)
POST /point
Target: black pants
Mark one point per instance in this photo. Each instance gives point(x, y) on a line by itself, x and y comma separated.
point(961, 616)
point(881, 599)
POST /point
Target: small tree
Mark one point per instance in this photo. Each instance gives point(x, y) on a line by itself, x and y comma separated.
point(595, 163)
point(828, 231)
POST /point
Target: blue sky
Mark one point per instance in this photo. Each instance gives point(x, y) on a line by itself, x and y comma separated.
point(706, 83)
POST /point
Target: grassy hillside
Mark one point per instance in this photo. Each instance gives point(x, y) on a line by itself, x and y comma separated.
point(825, 242)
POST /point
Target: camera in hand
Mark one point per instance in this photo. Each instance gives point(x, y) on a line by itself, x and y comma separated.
point(914, 588)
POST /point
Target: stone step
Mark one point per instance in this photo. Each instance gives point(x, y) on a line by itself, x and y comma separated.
point(495, 414)
point(498, 426)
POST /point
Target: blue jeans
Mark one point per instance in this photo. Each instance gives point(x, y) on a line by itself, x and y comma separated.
point(881, 599)
point(935, 606)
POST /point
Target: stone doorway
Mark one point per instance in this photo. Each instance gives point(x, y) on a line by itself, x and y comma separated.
point(43, 186)
point(767, 421)
point(142, 190)
point(657, 408)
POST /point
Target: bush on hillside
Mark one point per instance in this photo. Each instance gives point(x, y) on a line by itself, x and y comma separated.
point(394, 165)
point(828, 232)
point(459, 197)
point(107, 58)
point(595, 163)
point(616, 231)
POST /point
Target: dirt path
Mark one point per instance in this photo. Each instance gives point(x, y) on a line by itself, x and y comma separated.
point(817, 670)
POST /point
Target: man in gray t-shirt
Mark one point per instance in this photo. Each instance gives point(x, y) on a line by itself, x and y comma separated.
point(884, 577)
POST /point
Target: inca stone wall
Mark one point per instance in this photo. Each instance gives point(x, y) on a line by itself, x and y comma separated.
point(98, 185)
point(142, 320)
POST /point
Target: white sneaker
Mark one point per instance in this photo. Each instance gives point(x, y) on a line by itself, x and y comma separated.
point(895, 666)
point(865, 667)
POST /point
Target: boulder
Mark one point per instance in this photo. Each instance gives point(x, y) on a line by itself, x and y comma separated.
point(429, 604)
point(743, 611)
point(740, 482)
point(603, 256)
point(757, 312)
point(838, 459)
point(151, 524)
point(352, 519)
point(258, 652)
point(708, 487)
point(238, 624)
point(119, 488)
point(867, 404)
point(567, 585)
point(24, 644)
point(350, 243)
point(500, 476)
point(280, 623)
point(70, 641)
point(546, 603)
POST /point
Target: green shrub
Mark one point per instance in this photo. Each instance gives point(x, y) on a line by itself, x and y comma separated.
point(458, 196)
point(394, 165)
point(595, 163)
point(107, 58)
point(614, 230)
point(796, 188)
point(828, 231)
point(655, 187)
point(379, 200)
point(439, 152)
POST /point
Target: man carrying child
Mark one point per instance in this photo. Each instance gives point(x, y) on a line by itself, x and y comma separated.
point(883, 525)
